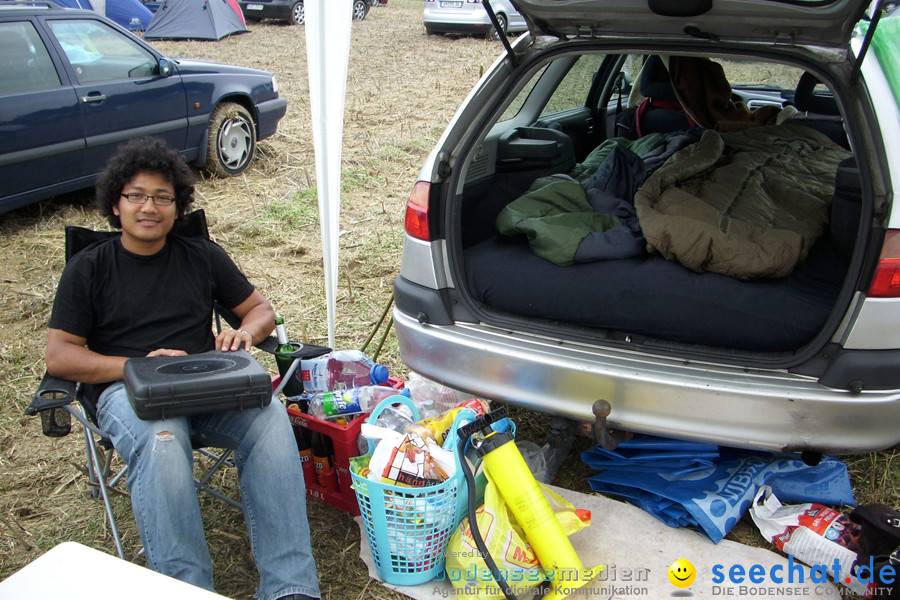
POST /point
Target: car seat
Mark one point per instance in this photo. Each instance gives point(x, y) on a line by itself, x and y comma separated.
point(820, 111)
point(21, 69)
point(15, 57)
point(659, 111)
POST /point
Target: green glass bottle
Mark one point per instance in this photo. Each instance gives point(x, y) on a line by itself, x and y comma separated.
point(293, 387)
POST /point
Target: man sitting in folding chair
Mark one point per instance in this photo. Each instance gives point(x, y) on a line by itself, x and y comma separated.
point(146, 293)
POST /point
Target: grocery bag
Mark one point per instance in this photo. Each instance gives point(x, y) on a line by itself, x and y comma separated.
point(712, 489)
point(505, 540)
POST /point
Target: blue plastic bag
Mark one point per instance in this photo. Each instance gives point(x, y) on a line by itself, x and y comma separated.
point(682, 483)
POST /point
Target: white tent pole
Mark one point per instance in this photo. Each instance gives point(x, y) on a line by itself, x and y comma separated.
point(327, 55)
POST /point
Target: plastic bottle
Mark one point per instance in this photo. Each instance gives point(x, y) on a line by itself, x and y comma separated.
point(397, 418)
point(293, 387)
point(326, 405)
point(444, 397)
point(340, 370)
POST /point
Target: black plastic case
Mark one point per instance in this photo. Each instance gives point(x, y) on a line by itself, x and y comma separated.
point(173, 386)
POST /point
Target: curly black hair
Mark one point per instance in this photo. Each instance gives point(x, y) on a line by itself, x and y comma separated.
point(145, 154)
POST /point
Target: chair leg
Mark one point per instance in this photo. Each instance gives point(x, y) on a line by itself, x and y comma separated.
point(101, 473)
point(98, 474)
point(203, 484)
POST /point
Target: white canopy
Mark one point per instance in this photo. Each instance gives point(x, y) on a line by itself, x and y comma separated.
point(327, 55)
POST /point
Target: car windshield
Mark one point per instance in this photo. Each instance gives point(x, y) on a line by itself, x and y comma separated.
point(776, 82)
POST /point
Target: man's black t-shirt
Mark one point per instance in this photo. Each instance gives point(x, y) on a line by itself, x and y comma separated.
point(126, 304)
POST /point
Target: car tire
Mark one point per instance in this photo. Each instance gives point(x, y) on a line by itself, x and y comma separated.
point(298, 13)
point(360, 10)
point(231, 142)
point(494, 33)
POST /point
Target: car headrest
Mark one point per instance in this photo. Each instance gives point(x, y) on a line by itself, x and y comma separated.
point(654, 82)
point(806, 100)
point(14, 50)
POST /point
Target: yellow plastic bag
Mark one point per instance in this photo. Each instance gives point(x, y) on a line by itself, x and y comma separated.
point(505, 540)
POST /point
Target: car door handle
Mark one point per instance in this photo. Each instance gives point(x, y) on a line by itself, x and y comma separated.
point(93, 97)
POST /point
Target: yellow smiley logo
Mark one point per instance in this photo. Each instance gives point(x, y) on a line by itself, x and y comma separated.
point(682, 573)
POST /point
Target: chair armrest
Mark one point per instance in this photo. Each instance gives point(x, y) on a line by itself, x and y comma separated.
point(301, 351)
point(52, 392)
point(270, 344)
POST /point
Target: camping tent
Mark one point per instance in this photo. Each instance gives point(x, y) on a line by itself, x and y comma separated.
point(130, 14)
point(196, 20)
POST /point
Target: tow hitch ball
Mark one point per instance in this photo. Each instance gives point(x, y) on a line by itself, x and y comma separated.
point(604, 435)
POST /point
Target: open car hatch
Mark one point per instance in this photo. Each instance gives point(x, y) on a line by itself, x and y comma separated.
point(826, 24)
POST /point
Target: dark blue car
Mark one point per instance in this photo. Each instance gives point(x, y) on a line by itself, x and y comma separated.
point(74, 86)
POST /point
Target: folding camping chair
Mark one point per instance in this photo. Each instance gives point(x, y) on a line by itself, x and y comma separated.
point(55, 399)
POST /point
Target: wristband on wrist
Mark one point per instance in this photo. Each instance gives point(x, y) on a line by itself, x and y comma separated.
point(247, 332)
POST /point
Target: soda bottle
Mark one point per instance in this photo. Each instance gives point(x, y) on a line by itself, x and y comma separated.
point(304, 444)
point(340, 370)
point(323, 458)
point(294, 387)
point(326, 405)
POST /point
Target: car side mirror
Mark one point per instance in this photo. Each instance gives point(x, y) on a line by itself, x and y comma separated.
point(165, 67)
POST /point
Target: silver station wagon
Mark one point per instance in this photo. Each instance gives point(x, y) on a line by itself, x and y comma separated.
point(674, 219)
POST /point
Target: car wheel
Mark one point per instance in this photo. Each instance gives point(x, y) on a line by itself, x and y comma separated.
point(232, 140)
point(494, 33)
point(360, 10)
point(298, 14)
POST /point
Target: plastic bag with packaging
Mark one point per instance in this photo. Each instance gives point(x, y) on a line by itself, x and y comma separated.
point(506, 542)
point(813, 533)
point(410, 461)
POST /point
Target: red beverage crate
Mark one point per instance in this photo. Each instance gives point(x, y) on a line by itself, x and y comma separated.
point(343, 438)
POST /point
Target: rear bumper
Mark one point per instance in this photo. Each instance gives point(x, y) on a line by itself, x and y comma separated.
point(270, 10)
point(770, 410)
point(449, 27)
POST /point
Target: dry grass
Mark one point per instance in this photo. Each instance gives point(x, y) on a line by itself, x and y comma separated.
point(403, 87)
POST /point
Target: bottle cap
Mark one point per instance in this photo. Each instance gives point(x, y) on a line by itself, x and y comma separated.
point(379, 374)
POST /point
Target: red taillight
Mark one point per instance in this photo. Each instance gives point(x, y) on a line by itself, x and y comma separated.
point(416, 221)
point(886, 282)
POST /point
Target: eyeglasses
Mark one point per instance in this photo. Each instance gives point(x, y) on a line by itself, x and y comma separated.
point(158, 200)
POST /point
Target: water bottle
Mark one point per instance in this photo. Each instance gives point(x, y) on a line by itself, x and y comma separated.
point(293, 387)
point(326, 405)
point(341, 370)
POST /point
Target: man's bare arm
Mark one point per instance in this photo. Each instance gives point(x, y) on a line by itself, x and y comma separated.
point(257, 322)
point(67, 357)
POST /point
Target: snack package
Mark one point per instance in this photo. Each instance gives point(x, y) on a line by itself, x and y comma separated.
point(813, 533)
point(505, 540)
point(437, 428)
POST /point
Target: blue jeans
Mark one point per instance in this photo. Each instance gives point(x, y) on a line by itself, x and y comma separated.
point(160, 460)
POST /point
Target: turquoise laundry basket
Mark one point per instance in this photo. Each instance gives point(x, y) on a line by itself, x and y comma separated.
point(408, 529)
